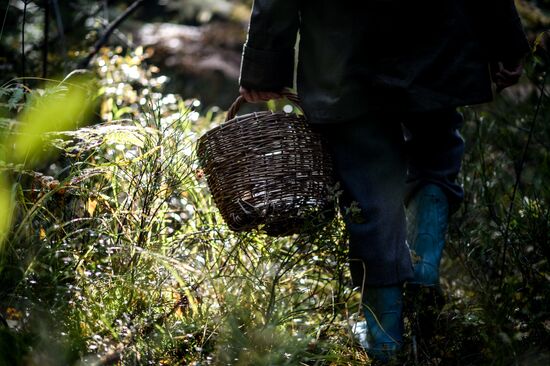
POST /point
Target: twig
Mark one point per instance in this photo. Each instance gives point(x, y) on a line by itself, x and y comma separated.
point(60, 30)
point(45, 39)
point(4, 21)
point(76, 22)
point(110, 29)
point(23, 58)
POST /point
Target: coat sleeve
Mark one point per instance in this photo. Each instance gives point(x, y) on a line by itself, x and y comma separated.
point(268, 55)
point(502, 30)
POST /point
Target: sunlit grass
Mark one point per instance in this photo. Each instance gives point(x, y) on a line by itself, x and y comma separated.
point(115, 251)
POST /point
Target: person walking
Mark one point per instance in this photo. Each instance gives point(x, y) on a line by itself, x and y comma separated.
point(381, 81)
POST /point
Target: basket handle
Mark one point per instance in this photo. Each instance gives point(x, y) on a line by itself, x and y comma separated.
point(237, 104)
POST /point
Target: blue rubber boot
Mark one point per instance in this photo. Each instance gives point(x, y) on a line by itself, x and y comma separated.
point(430, 215)
point(383, 308)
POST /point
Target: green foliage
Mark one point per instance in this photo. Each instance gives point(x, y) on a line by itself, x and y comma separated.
point(122, 254)
point(112, 252)
point(500, 237)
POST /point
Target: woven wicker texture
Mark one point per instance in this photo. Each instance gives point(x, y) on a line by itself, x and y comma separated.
point(267, 168)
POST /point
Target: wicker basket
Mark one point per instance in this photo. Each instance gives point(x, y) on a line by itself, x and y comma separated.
point(269, 169)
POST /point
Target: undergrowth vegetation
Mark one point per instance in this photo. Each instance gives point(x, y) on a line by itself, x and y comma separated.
point(117, 253)
point(112, 252)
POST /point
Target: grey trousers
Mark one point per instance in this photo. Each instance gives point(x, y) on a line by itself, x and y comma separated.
point(380, 161)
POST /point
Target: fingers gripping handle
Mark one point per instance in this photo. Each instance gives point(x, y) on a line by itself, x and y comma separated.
point(237, 104)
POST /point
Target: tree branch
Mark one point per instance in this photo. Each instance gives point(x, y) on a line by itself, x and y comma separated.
point(45, 39)
point(60, 31)
point(59, 36)
point(23, 58)
point(110, 29)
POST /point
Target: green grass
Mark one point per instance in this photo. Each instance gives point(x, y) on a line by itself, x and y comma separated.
point(117, 255)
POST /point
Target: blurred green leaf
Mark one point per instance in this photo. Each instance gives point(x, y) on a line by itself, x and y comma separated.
point(54, 110)
point(6, 208)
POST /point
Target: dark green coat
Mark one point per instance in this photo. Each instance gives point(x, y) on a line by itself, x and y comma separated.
point(361, 56)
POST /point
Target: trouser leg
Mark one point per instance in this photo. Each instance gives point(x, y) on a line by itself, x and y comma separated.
point(371, 168)
point(434, 149)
